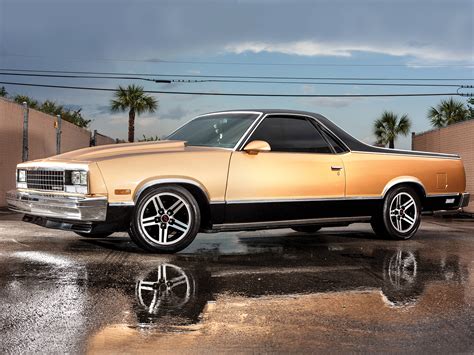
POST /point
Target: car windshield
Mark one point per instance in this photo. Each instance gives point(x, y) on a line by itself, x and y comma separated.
point(218, 130)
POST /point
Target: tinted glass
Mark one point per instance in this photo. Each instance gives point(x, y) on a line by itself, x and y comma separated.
point(285, 134)
point(221, 130)
point(338, 148)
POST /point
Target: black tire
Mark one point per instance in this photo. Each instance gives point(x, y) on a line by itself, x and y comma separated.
point(306, 229)
point(150, 237)
point(385, 225)
point(94, 235)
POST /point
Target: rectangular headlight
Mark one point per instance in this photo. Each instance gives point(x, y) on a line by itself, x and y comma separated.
point(79, 177)
point(21, 175)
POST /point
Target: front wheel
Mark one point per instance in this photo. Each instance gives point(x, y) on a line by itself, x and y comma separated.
point(166, 219)
point(400, 216)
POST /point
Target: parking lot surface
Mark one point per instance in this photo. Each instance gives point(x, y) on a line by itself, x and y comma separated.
point(340, 289)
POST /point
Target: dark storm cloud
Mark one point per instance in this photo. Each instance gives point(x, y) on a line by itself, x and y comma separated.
point(429, 30)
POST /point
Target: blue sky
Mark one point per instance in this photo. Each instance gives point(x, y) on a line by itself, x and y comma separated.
point(403, 39)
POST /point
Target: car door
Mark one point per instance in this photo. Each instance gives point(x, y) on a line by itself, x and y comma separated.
point(298, 178)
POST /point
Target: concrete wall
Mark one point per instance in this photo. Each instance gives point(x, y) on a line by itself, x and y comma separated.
point(100, 139)
point(41, 136)
point(458, 139)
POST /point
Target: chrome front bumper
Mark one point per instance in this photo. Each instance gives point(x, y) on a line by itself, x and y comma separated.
point(62, 207)
point(464, 199)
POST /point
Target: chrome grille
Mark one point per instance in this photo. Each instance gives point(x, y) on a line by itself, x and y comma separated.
point(50, 180)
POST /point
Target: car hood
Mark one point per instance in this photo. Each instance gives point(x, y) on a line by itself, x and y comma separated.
point(112, 151)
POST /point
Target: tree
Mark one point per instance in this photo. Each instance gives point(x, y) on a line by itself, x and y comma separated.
point(51, 108)
point(149, 139)
point(448, 112)
point(3, 92)
point(133, 99)
point(75, 117)
point(470, 107)
point(32, 103)
point(389, 126)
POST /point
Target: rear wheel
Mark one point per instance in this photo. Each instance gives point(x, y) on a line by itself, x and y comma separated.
point(166, 219)
point(306, 229)
point(94, 235)
point(400, 216)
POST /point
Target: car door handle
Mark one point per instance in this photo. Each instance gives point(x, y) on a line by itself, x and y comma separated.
point(336, 167)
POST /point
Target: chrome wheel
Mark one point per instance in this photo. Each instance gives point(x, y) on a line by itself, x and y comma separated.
point(403, 212)
point(165, 218)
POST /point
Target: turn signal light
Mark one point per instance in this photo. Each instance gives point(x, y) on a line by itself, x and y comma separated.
point(123, 192)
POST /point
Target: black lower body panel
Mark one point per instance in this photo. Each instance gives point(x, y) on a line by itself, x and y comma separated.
point(441, 203)
point(297, 210)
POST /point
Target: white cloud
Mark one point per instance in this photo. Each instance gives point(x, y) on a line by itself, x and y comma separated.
point(340, 49)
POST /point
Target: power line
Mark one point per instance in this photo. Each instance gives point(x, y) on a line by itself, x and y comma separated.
point(240, 63)
point(233, 94)
point(87, 77)
point(316, 83)
point(226, 80)
point(234, 76)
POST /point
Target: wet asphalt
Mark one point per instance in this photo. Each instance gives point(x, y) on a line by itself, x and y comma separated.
point(340, 289)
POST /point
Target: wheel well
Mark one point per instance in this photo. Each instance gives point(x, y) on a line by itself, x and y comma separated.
point(198, 194)
point(420, 191)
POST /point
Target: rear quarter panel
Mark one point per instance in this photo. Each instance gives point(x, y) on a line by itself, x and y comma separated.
point(368, 174)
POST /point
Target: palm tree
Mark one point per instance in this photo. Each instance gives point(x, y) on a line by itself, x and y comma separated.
point(133, 99)
point(448, 112)
point(3, 92)
point(32, 103)
point(388, 126)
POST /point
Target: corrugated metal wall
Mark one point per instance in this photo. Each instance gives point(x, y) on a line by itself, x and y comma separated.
point(41, 136)
point(457, 139)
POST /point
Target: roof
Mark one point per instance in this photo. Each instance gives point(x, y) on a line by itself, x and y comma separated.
point(351, 142)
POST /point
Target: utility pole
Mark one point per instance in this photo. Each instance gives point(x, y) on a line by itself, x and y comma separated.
point(24, 156)
point(58, 135)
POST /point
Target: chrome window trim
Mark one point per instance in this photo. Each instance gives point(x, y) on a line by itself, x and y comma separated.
point(421, 155)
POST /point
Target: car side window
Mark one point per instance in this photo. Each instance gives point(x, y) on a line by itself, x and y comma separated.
point(291, 134)
point(338, 147)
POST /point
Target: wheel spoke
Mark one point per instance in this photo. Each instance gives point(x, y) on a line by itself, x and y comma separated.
point(178, 283)
point(178, 227)
point(163, 235)
point(178, 279)
point(399, 224)
point(148, 219)
point(408, 204)
point(151, 223)
point(160, 203)
point(163, 272)
point(409, 219)
point(181, 226)
point(177, 206)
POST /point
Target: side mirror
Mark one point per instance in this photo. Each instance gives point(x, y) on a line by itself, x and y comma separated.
point(254, 147)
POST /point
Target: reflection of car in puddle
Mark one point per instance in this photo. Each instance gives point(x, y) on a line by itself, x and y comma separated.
point(167, 291)
point(166, 288)
point(182, 289)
